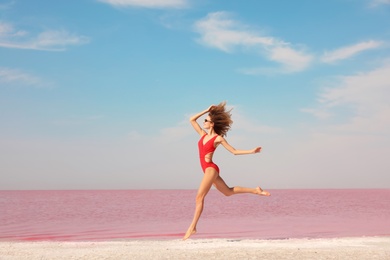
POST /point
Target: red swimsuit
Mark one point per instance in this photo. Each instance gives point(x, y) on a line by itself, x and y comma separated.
point(206, 149)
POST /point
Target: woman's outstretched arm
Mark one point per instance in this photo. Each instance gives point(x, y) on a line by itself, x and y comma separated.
point(195, 124)
point(234, 150)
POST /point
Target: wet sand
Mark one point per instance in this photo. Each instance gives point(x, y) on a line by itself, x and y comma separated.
point(337, 248)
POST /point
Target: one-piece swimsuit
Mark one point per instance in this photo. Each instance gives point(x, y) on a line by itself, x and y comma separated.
point(206, 149)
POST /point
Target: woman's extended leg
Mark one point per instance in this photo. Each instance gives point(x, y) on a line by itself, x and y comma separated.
point(208, 178)
point(220, 184)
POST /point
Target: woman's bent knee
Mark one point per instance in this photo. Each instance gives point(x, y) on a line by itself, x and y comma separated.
point(228, 193)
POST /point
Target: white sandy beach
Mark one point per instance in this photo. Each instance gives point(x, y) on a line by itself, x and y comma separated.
point(339, 248)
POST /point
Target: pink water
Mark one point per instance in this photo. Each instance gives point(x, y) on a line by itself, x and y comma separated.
point(162, 214)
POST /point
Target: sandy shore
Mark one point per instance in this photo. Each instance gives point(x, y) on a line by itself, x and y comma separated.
point(340, 248)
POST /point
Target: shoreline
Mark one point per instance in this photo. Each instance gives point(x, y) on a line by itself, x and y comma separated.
point(377, 247)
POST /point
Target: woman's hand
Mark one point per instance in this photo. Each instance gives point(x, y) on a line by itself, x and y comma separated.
point(210, 108)
point(257, 150)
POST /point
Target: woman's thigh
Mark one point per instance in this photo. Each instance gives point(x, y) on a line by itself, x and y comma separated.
point(209, 177)
point(220, 184)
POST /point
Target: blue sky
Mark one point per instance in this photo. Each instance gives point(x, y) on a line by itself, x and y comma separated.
point(96, 94)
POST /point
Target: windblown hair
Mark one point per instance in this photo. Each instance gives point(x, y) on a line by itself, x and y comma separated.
point(221, 118)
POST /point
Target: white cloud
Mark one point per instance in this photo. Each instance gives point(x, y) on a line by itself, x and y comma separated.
point(218, 30)
point(8, 30)
point(349, 51)
point(366, 97)
point(17, 77)
point(367, 91)
point(319, 113)
point(148, 3)
point(375, 3)
point(244, 124)
point(51, 40)
point(293, 60)
point(350, 146)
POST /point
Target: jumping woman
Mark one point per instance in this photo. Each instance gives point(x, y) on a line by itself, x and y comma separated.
point(217, 124)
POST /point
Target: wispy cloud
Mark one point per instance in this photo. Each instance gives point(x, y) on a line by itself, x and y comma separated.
point(51, 40)
point(375, 3)
point(147, 3)
point(366, 96)
point(251, 125)
point(10, 76)
point(365, 90)
point(318, 113)
point(218, 30)
point(349, 51)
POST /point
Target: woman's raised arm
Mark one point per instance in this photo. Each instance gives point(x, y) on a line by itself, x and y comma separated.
point(195, 124)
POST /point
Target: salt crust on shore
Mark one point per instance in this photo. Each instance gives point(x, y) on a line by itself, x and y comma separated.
point(338, 248)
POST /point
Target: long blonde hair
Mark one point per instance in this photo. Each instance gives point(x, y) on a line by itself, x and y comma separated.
point(221, 118)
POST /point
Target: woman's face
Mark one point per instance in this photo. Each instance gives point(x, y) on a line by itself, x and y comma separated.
point(207, 123)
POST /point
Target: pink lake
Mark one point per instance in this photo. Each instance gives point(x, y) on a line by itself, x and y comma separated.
point(166, 214)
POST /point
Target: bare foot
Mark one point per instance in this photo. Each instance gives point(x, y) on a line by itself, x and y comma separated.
point(189, 233)
point(262, 192)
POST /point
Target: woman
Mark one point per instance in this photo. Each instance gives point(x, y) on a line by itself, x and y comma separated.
point(217, 123)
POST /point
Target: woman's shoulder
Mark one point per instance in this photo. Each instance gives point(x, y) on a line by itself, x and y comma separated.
point(219, 138)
